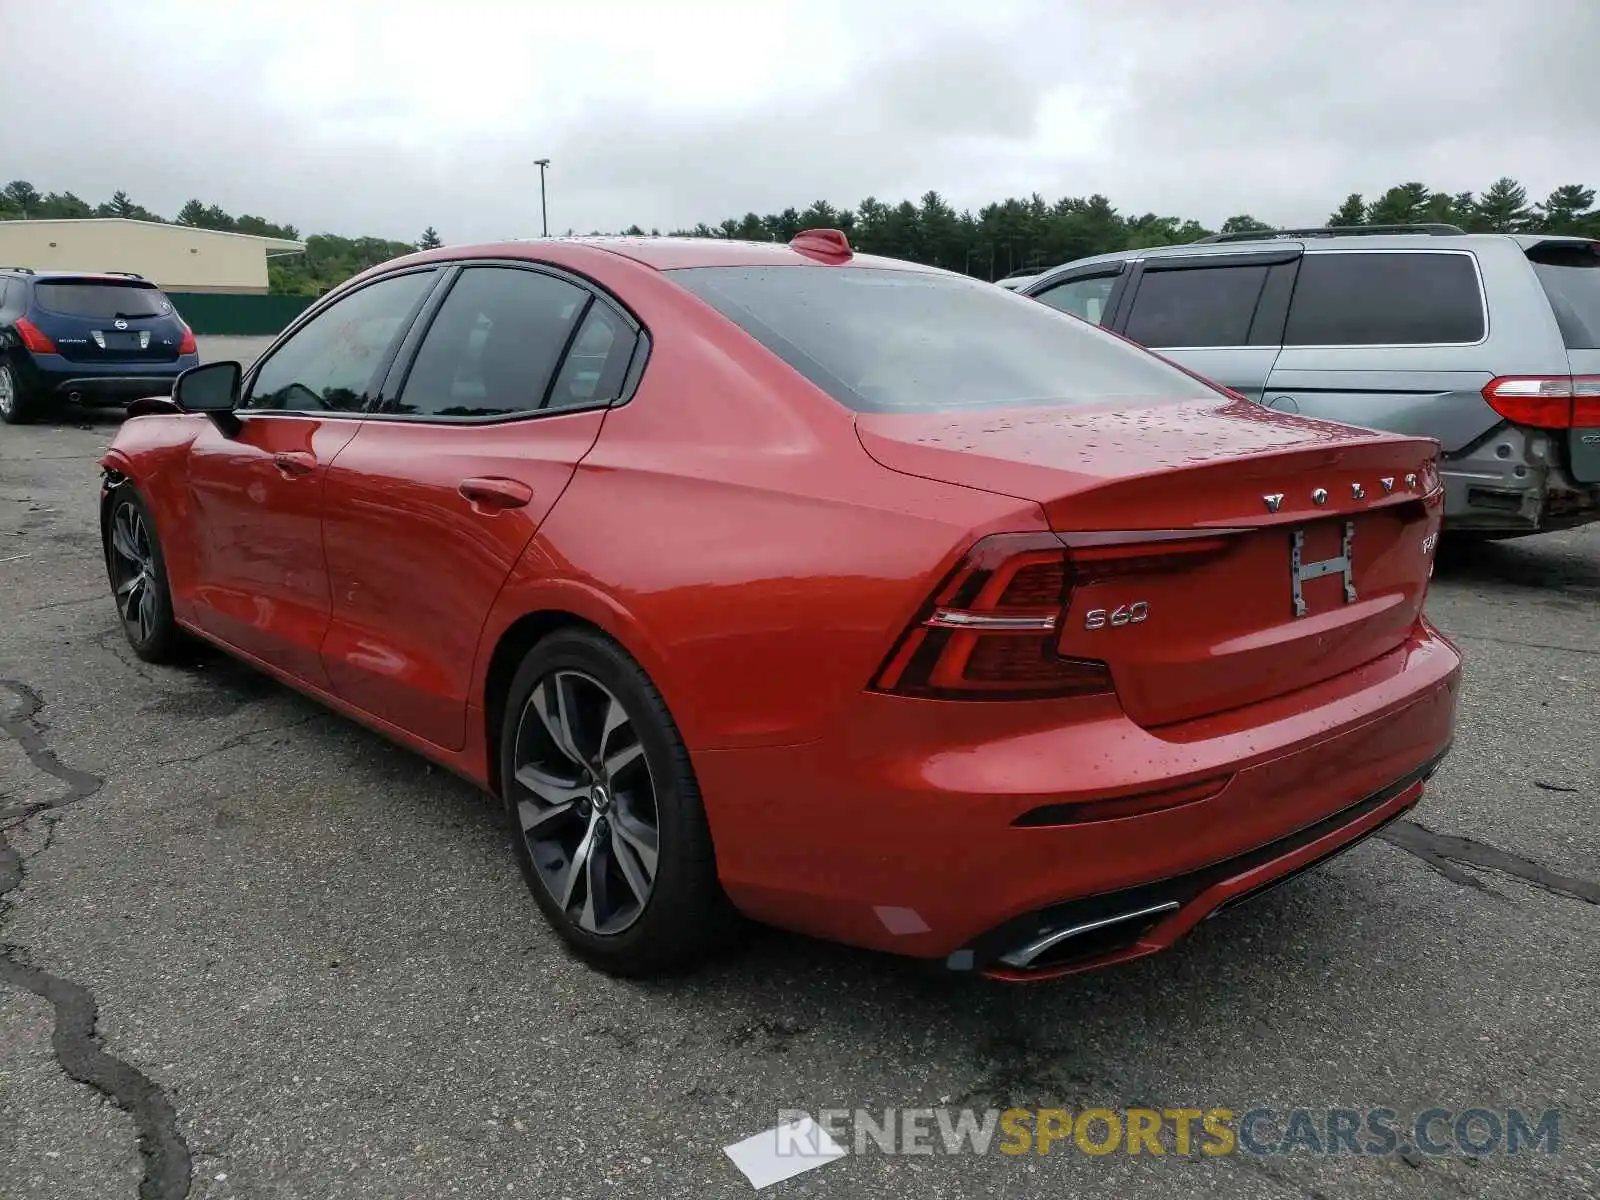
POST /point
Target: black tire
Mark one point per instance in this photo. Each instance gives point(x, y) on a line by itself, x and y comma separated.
point(19, 403)
point(138, 574)
point(685, 915)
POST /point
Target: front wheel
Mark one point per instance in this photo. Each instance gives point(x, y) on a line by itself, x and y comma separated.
point(604, 810)
point(138, 575)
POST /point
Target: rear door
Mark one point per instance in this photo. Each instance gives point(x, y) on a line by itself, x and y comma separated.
point(1389, 339)
point(431, 507)
point(1220, 315)
point(1570, 275)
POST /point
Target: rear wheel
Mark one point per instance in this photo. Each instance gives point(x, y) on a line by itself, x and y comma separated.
point(18, 403)
point(604, 810)
point(139, 579)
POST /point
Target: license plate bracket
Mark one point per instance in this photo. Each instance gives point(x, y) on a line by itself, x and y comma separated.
point(1301, 572)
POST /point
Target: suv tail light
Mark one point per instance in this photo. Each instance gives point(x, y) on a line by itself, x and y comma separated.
point(1546, 401)
point(186, 344)
point(990, 630)
point(33, 337)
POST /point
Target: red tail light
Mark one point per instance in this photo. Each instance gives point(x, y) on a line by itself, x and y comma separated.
point(990, 631)
point(33, 338)
point(186, 344)
point(1546, 401)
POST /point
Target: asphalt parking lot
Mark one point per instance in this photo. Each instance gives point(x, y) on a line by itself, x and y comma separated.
point(312, 970)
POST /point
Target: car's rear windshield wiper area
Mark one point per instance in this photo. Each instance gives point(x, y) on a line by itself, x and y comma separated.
point(97, 300)
point(1570, 274)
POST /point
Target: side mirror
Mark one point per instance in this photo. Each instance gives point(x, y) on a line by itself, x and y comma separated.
point(212, 389)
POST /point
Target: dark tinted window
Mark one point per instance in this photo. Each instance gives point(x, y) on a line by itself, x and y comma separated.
point(334, 361)
point(494, 345)
point(597, 364)
point(1086, 298)
point(1570, 274)
point(1385, 298)
point(891, 340)
point(102, 301)
point(1200, 306)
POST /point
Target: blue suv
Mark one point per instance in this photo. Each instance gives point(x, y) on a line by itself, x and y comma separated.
point(83, 338)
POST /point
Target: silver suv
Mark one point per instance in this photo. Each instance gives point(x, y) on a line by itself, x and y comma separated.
point(1488, 342)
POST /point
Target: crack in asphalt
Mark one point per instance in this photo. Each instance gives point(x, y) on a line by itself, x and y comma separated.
point(1448, 854)
point(1505, 641)
point(112, 641)
point(167, 1166)
point(239, 739)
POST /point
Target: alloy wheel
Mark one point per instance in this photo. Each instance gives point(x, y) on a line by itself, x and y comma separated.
point(133, 571)
point(586, 801)
point(8, 392)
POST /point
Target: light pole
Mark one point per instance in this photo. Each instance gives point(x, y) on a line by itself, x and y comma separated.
point(544, 220)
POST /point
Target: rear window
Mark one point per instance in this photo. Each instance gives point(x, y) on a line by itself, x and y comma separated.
point(88, 298)
point(1385, 298)
point(906, 341)
point(1570, 273)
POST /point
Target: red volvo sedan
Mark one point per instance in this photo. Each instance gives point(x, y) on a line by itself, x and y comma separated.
point(842, 593)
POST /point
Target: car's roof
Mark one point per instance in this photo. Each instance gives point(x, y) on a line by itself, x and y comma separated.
point(1376, 241)
point(662, 253)
point(86, 276)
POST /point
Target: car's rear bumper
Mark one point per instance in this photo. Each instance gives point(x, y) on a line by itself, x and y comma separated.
point(1515, 481)
point(903, 839)
point(107, 383)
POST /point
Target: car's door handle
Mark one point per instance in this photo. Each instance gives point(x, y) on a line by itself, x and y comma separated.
point(492, 492)
point(294, 462)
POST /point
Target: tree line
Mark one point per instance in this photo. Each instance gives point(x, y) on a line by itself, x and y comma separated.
point(1002, 238)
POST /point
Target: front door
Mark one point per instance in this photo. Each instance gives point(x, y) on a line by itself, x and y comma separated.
point(430, 509)
point(1219, 315)
point(257, 494)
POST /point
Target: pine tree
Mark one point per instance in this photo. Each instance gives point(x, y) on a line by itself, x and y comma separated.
point(1503, 208)
point(1352, 212)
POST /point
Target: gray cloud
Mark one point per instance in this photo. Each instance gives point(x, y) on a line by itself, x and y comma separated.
point(1277, 107)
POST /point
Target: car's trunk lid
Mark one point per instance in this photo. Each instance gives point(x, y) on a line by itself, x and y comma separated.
point(1201, 624)
point(1583, 443)
point(1569, 271)
point(93, 319)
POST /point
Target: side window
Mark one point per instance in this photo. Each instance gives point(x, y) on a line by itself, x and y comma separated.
point(1385, 298)
point(1086, 298)
point(1195, 306)
point(335, 361)
point(597, 364)
point(494, 345)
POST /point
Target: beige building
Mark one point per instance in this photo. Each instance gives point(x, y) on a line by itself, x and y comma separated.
point(178, 258)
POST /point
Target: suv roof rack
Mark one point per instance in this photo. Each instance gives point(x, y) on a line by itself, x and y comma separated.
point(1434, 229)
point(20, 270)
point(128, 274)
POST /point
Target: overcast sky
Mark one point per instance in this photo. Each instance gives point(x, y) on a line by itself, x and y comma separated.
point(383, 116)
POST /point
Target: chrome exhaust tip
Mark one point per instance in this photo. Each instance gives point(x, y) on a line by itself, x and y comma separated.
point(1028, 953)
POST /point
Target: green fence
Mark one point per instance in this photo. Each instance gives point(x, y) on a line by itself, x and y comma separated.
point(237, 314)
